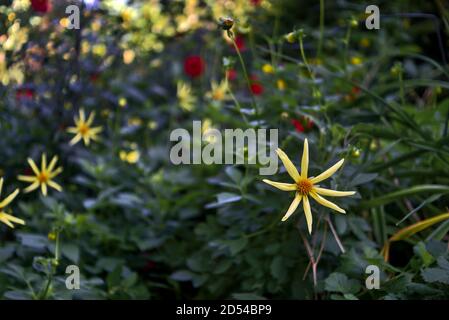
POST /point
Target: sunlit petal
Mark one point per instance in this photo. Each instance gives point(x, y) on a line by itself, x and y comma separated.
point(333, 193)
point(52, 164)
point(9, 198)
point(27, 178)
point(293, 206)
point(292, 171)
point(326, 203)
point(54, 185)
point(305, 160)
point(44, 189)
point(32, 187)
point(12, 218)
point(33, 166)
point(280, 185)
point(91, 118)
point(5, 220)
point(55, 173)
point(326, 174)
point(44, 162)
point(75, 139)
point(308, 213)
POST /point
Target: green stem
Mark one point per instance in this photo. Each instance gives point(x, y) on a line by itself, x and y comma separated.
point(345, 54)
point(54, 263)
point(320, 41)
point(237, 104)
point(304, 58)
point(245, 73)
point(401, 87)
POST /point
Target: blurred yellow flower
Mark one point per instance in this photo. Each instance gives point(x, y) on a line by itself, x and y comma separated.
point(185, 96)
point(305, 186)
point(4, 217)
point(356, 61)
point(43, 177)
point(99, 50)
point(122, 102)
point(205, 127)
point(364, 42)
point(268, 68)
point(83, 129)
point(131, 157)
point(135, 121)
point(281, 84)
point(218, 91)
point(128, 56)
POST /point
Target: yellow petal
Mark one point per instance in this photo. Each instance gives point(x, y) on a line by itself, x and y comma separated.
point(12, 218)
point(1, 185)
point(90, 119)
point(44, 162)
point(326, 203)
point(9, 198)
point(44, 189)
point(55, 173)
point(293, 206)
point(33, 166)
point(308, 213)
point(305, 160)
point(52, 164)
point(326, 174)
point(32, 187)
point(82, 117)
point(288, 165)
point(333, 193)
point(6, 221)
point(280, 185)
point(54, 185)
point(27, 178)
point(73, 130)
point(75, 139)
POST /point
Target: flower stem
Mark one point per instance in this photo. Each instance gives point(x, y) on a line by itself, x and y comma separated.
point(54, 263)
point(245, 73)
point(320, 41)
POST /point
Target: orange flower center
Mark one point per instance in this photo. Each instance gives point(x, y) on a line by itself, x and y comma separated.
point(83, 129)
point(304, 186)
point(42, 177)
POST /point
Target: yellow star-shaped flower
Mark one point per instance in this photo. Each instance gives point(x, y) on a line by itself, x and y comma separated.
point(43, 177)
point(307, 186)
point(4, 217)
point(83, 129)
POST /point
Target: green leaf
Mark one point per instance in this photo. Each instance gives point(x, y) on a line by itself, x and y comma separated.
point(338, 282)
point(71, 252)
point(390, 197)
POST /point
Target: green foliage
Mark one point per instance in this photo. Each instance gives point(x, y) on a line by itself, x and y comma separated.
point(140, 227)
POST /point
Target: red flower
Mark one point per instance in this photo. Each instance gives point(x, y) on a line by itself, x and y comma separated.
point(256, 88)
point(194, 66)
point(24, 94)
point(42, 6)
point(298, 125)
point(255, 2)
point(302, 124)
point(231, 74)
